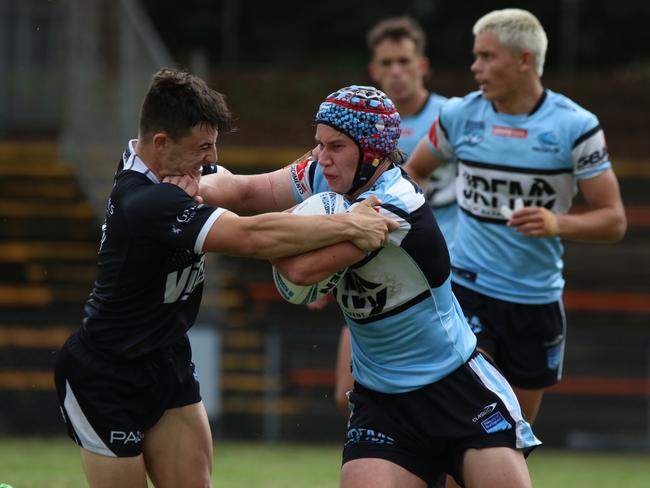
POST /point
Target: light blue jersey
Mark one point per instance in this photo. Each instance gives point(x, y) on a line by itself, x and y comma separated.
point(441, 192)
point(406, 326)
point(538, 157)
point(415, 127)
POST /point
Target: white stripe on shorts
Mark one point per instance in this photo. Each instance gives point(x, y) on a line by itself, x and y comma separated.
point(494, 381)
point(82, 428)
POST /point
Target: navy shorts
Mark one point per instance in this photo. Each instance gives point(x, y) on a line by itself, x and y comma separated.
point(108, 405)
point(525, 341)
point(428, 430)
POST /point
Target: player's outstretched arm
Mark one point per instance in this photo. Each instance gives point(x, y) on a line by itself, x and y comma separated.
point(604, 220)
point(248, 194)
point(276, 235)
point(422, 163)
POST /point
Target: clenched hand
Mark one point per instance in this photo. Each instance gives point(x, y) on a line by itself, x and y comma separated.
point(373, 227)
point(535, 222)
point(188, 184)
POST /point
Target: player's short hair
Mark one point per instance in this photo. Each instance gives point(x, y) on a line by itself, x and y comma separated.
point(396, 29)
point(177, 101)
point(518, 30)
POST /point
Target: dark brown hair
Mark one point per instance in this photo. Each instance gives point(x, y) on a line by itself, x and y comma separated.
point(177, 101)
point(396, 29)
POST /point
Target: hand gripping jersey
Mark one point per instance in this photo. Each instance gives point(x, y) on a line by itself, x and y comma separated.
point(537, 157)
point(149, 265)
point(407, 327)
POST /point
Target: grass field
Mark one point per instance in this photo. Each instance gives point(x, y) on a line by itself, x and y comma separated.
point(54, 463)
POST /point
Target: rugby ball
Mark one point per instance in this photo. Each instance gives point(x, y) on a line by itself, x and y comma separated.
point(326, 203)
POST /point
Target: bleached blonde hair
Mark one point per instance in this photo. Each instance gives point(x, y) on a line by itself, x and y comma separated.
point(517, 30)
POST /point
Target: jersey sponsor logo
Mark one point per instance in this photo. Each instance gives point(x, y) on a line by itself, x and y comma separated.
point(495, 423)
point(503, 131)
point(124, 438)
point(483, 194)
point(554, 352)
point(356, 435)
point(592, 159)
point(187, 215)
point(406, 132)
point(110, 210)
point(298, 176)
point(361, 298)
point(180, 287)
point(488, 409)
point(473, 131)
point(548, 143)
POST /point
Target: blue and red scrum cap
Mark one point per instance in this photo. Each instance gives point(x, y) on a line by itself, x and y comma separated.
point(367, 116)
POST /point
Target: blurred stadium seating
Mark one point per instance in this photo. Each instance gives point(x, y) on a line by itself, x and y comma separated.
point(76, 71)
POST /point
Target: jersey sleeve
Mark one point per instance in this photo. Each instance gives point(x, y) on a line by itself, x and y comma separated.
point(166, 214)
point(438, 140)
point(439, 136)
point(589, 152)
point(307, 179)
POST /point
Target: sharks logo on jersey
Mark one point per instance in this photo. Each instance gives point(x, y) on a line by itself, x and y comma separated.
point(473, 133)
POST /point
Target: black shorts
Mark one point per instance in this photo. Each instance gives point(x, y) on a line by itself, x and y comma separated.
point(108, 405)
point(427, 431)
point(525, 341)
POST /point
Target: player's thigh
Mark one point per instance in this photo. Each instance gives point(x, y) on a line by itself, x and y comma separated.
point(109, 472)
point(378, 473)
point(178, 449)
point(495, 467)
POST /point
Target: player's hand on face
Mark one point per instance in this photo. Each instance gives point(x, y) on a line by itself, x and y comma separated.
point(375, 227)
point(188, 184)
point(535, 222)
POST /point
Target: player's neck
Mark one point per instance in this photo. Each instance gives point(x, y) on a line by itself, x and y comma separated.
point(143, 151)
point(383, 166)
point(413, 104)
point(522, 101)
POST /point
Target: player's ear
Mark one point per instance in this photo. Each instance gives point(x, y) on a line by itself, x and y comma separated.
point(527, 61)
point(424, 65)
point(160, 140)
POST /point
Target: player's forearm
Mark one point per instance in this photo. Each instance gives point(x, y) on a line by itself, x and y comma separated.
point(248, 194)
point(242, 194)
point(314, 266)
point(601, 225)
point(277, 235)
